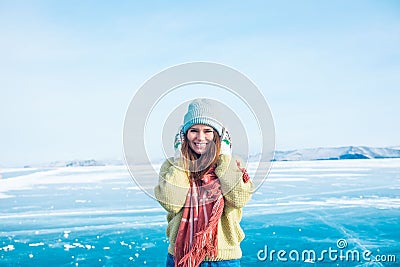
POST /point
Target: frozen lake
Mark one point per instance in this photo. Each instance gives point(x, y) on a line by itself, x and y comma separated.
point(347, 212)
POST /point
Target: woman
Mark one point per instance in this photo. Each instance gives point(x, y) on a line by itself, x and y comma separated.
point(203, 190)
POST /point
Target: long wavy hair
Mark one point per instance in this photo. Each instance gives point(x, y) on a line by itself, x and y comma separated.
point(197, 165)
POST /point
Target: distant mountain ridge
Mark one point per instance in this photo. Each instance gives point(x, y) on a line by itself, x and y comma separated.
point(77, 163)
point(321, 153)
point(338, 153)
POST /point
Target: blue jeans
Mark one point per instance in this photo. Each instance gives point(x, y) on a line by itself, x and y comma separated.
point(227, 263)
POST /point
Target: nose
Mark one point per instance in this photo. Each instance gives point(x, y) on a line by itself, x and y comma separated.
point(201, 136)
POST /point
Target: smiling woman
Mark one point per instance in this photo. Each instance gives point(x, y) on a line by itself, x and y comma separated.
point(200, 146)
point(203, 190)
point(199, 137)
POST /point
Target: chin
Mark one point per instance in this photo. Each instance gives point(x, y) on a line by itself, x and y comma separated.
point(199, 151)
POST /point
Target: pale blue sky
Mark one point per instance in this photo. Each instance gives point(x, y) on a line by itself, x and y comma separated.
point(330, 70)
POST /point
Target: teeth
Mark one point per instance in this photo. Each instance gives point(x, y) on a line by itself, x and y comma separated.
point(200, 144)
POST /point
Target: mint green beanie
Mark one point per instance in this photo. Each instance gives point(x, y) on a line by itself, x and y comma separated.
point(202, 111)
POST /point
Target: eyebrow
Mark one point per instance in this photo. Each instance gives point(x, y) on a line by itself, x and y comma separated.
point(208, 128)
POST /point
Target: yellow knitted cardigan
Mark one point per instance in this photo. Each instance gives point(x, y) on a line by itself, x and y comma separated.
point(171, 193)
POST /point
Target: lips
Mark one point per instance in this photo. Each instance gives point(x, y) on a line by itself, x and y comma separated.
point(200, 145)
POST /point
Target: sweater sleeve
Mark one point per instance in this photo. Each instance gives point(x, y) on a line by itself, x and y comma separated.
point(236, 191)
point(173, 186)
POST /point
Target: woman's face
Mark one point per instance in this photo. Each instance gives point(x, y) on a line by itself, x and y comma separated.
point(200, 136)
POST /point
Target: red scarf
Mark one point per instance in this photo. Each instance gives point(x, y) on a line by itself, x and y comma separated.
point(197, 234)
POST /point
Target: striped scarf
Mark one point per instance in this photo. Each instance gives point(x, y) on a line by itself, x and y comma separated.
point(197, 234)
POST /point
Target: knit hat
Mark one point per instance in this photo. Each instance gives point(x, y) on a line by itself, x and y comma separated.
point(202, 111)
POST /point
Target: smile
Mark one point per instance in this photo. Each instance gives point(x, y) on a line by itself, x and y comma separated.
point(200, 145)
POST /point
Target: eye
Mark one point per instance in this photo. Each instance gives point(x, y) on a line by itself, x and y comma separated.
point(193, 130)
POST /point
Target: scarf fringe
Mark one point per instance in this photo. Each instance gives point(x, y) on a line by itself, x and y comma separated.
point(205, 242)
